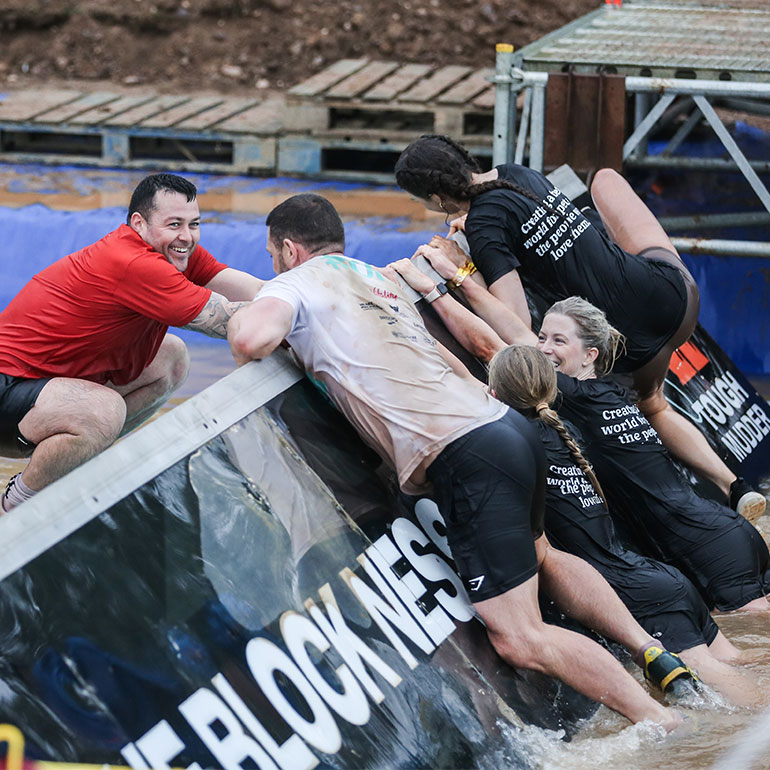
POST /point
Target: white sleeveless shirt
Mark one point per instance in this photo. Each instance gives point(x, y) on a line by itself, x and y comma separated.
point(357, 334)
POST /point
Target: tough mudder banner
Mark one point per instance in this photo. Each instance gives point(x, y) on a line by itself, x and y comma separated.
point(268, 600)
point(708, 388)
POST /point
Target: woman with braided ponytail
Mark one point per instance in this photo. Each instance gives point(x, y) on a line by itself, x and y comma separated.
point(718, 550)
point(524, 234)
point(664, 602)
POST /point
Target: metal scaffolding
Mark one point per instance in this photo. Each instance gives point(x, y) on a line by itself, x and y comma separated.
point(677, 60)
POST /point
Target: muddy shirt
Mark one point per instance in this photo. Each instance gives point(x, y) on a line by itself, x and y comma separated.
point(559, 253)
point(363, 340)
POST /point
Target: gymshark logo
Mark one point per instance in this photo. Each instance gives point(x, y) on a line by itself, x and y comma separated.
point(475, 583)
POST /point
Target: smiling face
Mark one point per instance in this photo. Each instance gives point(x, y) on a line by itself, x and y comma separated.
point(559, 340)
point(172, 228)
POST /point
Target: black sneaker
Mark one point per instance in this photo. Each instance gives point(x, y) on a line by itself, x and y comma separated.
point(663, 668)
point(746, 501)
point(8, 487)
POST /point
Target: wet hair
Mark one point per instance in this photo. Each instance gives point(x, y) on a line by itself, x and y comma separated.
point(525, 379)
point(310, 220)
point(435, 164)
point(594, 331)
point(143, 197)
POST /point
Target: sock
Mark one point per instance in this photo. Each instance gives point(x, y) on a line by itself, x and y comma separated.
point(16, 493)
point(639, 655)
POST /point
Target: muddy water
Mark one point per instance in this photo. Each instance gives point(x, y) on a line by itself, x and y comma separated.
point(606, 740)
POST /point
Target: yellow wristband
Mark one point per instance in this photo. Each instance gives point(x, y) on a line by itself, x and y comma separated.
point(467, 269)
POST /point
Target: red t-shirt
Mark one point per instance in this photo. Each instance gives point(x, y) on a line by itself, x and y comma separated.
point(101, 313)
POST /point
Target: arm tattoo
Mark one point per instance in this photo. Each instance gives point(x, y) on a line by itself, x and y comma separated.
point(212, 320)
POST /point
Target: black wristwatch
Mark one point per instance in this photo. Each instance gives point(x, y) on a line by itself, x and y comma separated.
point(438, 291)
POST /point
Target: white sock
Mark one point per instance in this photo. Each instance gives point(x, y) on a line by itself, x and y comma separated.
point(16, 493)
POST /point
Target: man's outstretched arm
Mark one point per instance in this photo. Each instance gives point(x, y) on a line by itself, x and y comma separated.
point(215, 316)
point(235, 285)
point(257, 329)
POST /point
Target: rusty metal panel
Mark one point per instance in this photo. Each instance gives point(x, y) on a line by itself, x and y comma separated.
point(585, 121)
point(666, 39)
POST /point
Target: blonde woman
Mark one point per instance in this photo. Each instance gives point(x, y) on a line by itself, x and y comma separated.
point(660, 597)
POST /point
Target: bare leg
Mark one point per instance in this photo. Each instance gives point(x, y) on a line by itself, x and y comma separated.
point(685, 441)
point(634, 228)
point(581, 592)
point(757, 605)
point(735, 685)
point(148, 392)
point(72, 421)
point(626, 217)
point(517, 631)
point(723, 649)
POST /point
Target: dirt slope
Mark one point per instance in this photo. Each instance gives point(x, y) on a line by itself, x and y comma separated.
point(233, 46)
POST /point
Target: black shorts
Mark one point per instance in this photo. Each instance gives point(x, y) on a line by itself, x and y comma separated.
point(490, 487)
point(664, 602)
point(17, 397)
point(648, 333)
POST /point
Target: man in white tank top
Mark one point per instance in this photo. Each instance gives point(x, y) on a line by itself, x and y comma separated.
point(361, 338)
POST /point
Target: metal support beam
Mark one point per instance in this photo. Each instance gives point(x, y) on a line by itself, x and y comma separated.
point(722, 248)
point(521, 140)
point(647, 124)
point(537, 130)
point(735, 151)
point(682, 133)
point(504, 125)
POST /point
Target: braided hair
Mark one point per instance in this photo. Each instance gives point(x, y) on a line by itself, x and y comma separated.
point(525, 379)
point(436, 164)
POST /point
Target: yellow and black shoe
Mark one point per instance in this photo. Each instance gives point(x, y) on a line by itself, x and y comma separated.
point(663, 668)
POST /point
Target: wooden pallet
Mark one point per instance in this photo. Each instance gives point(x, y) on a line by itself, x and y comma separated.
point(368, 107)
point(207, 133)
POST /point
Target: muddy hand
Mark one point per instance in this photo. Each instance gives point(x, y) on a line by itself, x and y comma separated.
point(445, 266)
point(457, 225)
point(414, 277)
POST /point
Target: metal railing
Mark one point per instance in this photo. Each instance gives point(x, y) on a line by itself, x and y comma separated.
point(510, 79)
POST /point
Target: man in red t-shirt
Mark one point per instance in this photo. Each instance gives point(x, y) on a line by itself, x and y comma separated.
point(84, 349)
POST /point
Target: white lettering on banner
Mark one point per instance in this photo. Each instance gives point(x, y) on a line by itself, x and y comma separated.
point(135, 760)
point(394, 606)
point(429, 516)
point(202, 710)
point(350, 647)
point(160, 744)
point(293, 754)
point(298, 632)
point(265, 659)
point(409, 589)
point(743, 437)
point(432, 568)
point(387, 612)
